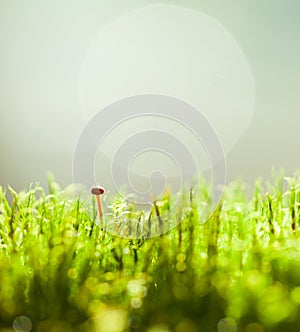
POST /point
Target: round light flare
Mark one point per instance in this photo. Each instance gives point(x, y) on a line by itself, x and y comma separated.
point(186, 326)
point(110, 320)
point(22, 324)
point(175, 51)
point(275, 305)
point(150, 164)
point(136, 288)
point(227, 325)
point(159, 328)
point(154, 166)
point(254, 327)
point(295, 295)
point(136, 302)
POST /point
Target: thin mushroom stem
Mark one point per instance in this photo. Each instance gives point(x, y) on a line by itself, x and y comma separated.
point(98, 191)
point(99, 204)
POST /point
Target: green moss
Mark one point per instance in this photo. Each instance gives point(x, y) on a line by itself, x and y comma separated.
point(238, 271)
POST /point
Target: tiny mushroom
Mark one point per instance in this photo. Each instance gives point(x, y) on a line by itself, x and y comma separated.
point(98, 191)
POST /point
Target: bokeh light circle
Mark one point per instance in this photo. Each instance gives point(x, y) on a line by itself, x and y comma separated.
point(22, 324)
point(171, 145)
point(227, 325)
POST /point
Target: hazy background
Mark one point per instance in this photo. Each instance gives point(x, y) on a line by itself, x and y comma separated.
point(44, 43)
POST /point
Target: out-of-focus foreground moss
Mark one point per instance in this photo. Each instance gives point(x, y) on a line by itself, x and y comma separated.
point(239, 271)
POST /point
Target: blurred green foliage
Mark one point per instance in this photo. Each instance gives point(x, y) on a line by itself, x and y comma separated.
point(238, 271)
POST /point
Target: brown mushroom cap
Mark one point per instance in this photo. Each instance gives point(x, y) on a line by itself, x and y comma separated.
point(97, 190)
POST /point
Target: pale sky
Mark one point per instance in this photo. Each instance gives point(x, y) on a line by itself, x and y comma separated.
point(48, 89)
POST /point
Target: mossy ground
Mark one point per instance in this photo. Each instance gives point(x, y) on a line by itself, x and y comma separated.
point(239, 271)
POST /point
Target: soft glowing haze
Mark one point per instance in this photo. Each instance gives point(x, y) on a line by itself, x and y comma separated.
point(48, 89)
